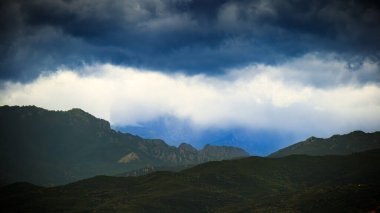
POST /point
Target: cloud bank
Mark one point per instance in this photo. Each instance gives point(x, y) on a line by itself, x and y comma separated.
point(193, 36)
point(260, 96)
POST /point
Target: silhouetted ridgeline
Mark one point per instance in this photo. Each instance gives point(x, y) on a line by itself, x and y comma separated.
point(56, 147)
point(356, 141)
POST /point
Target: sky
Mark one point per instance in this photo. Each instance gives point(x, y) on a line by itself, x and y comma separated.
point(249, 73)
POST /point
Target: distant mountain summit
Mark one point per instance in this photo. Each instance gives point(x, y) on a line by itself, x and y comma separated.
point(353, 142)
point(56, 147)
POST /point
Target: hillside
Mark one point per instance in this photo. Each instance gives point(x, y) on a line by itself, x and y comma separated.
point(356, 141)
point(296, 183)
point(56, 147)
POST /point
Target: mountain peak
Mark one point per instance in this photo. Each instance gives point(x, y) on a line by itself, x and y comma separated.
point(187, 147)
point(312, 139)
point(85, 145)
point(357, 141)
point(77, 110)
point(357, 132)
point(80, 112)
point(79, 115)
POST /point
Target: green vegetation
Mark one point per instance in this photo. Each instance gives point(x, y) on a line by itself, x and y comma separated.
point(56, 147)
point(291, 184)
point(357, 141)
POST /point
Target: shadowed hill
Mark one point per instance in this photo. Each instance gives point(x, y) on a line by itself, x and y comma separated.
point(56, 147)
point(357, 141)
point(296, 183)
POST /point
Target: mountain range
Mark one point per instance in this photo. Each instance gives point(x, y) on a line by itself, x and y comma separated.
point(57, 147)
point(297, 183)
point(356, 141)
point(103, 170)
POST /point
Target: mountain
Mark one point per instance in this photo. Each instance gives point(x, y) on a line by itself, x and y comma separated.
point(296, 183)
point(356, 141)
point(56, 147)
point(256, 142)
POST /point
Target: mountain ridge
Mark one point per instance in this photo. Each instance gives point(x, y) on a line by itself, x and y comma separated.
point(356, 141)
point(296, 183)
point(57, 147)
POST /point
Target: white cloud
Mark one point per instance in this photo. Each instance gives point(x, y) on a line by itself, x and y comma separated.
point(264, 97)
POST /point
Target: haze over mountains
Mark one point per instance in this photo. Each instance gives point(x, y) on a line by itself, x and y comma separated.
point(173, 131)
point(162, 102)
point(56, 147)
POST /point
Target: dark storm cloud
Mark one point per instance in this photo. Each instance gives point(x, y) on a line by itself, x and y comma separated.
point(181, 35)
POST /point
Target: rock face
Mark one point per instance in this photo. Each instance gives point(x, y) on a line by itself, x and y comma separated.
point(186, 154)
point(129, 157)
point(357, 141)
point(56, 147)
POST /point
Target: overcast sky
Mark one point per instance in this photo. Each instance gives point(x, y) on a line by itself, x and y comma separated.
point(291, 68)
